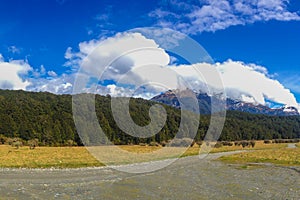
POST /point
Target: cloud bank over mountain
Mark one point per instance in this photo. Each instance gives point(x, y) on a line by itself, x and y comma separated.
point(129, 64)
point(246, 82)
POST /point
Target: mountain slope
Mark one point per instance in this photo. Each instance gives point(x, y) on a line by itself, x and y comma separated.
point(169, 98)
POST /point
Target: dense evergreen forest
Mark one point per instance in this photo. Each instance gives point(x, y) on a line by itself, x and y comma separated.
point(49, 118)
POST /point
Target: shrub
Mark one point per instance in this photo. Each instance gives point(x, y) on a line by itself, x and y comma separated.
point(296, 140)
point(3, 139)
point(164, 143)
point(17, 144)
point(267, 141)
point(245, 144)
point(286, 140)
point(184, 142)
point(154, 144)
point(9, 141)
point(218, 145)
point(237, 143)
point(252, 143)
point(227, 143)
point(33, 143)
point(70, 143)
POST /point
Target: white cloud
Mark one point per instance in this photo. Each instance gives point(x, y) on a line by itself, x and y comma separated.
point(213, 15)
point(42, 70)
point(18, 74)
point(58, 85)
point(137, 66)
point(14, 49)
point(111, 58)
point(68, 53)
point(249, 83)
point(52, 73)
point(12, 74)
point(144, 72)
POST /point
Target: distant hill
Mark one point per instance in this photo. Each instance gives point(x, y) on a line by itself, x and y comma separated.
point(169, 98)
point(49, 118)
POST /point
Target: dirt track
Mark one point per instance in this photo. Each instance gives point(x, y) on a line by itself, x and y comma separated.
point(187, 178)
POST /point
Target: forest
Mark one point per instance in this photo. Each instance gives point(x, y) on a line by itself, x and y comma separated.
point(48, 118)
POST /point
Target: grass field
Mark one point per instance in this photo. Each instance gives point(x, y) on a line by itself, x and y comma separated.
point(70, 157)
point(275, 156)
point(45, 157)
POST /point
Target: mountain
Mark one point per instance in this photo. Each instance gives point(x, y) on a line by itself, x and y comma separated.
point(260, 109)
point(204, 100)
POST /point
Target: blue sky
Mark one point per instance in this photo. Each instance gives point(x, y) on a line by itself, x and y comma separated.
point(36, 34)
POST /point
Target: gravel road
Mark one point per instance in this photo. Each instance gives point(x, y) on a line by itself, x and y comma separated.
point(187, 178)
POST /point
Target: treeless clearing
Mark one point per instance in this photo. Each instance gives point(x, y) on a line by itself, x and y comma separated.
point(276, 156)
point(70, 157)
point(45, 157)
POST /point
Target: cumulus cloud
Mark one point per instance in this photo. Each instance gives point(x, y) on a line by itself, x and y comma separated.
point(52, 73)
point(246, 82)
point(129, 64)
point(213, 15)
point(12, 74)
point(112, 58)
point(62, 84)
point(137, 66)
point(19, 75)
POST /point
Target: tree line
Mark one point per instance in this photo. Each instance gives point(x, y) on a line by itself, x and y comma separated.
point(48, 118)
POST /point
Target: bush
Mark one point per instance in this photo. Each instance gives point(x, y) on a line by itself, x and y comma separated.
point(3, 139)
point(226, 143)
point(154, 144)
point(245, 144)
point(286, 140)
point(296, 140)
point(164, 143)
point(184, 142)
point(33, 143)
point(70, 143)
point(252, 143)
point(267, 141)
point(17, 144)
point(218, 145)
point(237, 143)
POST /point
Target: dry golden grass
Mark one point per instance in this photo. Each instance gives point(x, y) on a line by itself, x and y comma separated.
point(45, 157)
point(65, 157)
point(277, 156)
point(264, 153)
point(258, 145)
point(115, 155)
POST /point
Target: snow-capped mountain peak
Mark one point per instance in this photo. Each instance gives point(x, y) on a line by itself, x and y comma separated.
point(205, 105)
